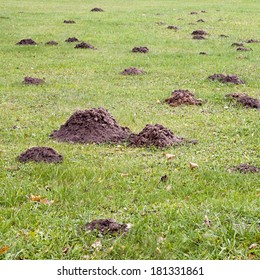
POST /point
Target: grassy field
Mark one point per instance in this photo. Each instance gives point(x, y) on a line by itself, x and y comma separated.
point(117, 181)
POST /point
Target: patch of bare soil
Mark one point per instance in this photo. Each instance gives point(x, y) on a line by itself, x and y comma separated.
point(97, 10)
point(91, 126)
point(69, 21)
point(71, 40)
point(198, 37)
point(244, 168)
point(199, 32)
point(132, 71)
point(41, 154)
point(226, 79)
point(155, 135)
point(245, 100)
point(51, 43)
point(181, 96)
point(106, 226)
point(33, 81)
point(173, 27)
point(84, 45)
point(26, 42)
point(243, 49)
point(140, 49)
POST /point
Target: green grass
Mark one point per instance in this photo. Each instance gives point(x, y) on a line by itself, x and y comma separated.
point(89, 184)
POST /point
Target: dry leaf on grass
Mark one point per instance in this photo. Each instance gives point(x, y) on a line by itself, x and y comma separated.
point(170, 156)
point(252, 246)
point(37, 198)
point(207, 221)
point(4, 249)
point(193, 165)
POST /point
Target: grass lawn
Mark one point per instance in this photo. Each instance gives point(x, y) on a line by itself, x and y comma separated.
point(117, 181)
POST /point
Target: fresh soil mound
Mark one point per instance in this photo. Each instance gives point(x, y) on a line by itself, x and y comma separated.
point(132, 71)
point(69, 21)
point(198, 37)
point(84, 45)
point(140, 49)
point(33, 81)
point(106, 226)
point(26, 42)
point(245, 100)
point(199, 32)
point(91, 126)
point(181, 96)
point(226, 79)
point(97, 10)
point(155, 135)
point(237, 45)
point(244, 49)
point(41, 154)
point(51, 43)
point(245, 168)
point(71, 40)
point(173, 27)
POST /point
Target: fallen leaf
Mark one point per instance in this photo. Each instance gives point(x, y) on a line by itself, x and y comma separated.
point(158, 250)
point(124, 174)
point(170, 156)
point(193, 165)
point(158, 101)
point(35, 198)
point(65, 250)
point(46, 201)
point(252, 246)
point(207, 221)
point(4, 249)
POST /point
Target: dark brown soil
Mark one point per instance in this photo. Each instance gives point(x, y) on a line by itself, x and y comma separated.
point(245, 168)
point(252, 41)
point(200, 20)
point(132, 71)
point(97, 10)
point(26, 42)
point(51, 43)
point(203, 53)
point(140, 49)
point(41, 154)
point(91, 126)
point(198, 37)
point(155, 135)
point(237, 45)
point(72, 40)
point(181, 96)
point(33, 81)
point(199, 32)
point(245, 100)
point(226, 79)
point(84, 45)
point(244, 49)
point(69, 21)
point(173, 27)
point(106, 226)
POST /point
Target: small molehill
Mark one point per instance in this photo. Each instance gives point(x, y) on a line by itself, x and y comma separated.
point(91, 126)
point(226, 79)
point(132, 71)
point(243, 49)
point(51, 43)
point(41, 154)
point(173, 27)
point(155, 135)
point(140, 49)
point(107, 226)
point(244, 168)
point(26, 42)
point(69, 21)
point(198, 37)
point(97, 10)
point(33, 81)
point(84, 45)
point(71, 40)
point(199, 32)
point(181, 96)
point(245, 100)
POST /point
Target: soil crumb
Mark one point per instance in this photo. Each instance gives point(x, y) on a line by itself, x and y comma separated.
point(199, 32)
point(226, 79)
point(33, 81)
point(155, 135)
point(26, 42)
point(107, 226)
point(140, 49)
point(91, 126)
point(132, 71)
point(71, 40)
point(51, 43)
point(181, 96)
point(69, 21)
point(84, 45)
point(245, 100)
point(244, 168)
point(97, 10)
point(198, 37)
point(173, 27)
point(41, 154)
point(244, 49)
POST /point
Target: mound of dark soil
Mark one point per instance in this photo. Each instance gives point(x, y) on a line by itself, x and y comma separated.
point(155, 135)
point(173, 27)
point(243, 49)
point(26, 42)
point(252, 41)
point(245, 100)
point(69, 21)
point(97, 10)
point(200, 20)
point(106, 226)
point(198, 37)
point(71, 40)
point(199, 32)
point(91, 126)
point(33, 81)
point(132, 71)
point(84, 45)
point(245, 168)
point(181, 96)
point(140, 49)
point(226, 79)
point(51, 43)
point(237, 45)
point(41, 154)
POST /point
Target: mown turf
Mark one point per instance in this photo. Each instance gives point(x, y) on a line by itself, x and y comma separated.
point(116, 181)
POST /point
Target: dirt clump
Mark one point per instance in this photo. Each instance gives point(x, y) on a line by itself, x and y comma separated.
point(198, 37)
point(33, 81)
point(244, 168)
point(91, 126)
point(140, 49)
point(237, 45)
point(173, 27)
point(132, 71)
point(51, 43)
point(245, 100)
point(71, 40)
point(194, 13)
point(181, 96)
point(41, 154)
point(226, 79)
point(106, 226)
point(69, 21)
point(244, 49)
point(97, 10)
point(26, 42)
point(203, 53)
point(155, 135)
point(84, 45)
point(200, 20)
point(252, 41)
point(199, 32)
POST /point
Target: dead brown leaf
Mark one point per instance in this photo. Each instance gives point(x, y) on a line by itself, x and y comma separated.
point(193, 165)
point(37, 198)
point(207, 221)
point(170, 156)
point(4, 249)
point(252, 246)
